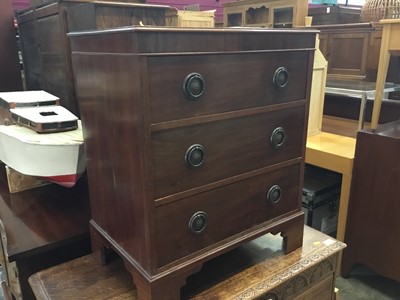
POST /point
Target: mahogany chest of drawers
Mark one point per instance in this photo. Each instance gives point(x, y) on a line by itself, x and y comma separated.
point(194, 141)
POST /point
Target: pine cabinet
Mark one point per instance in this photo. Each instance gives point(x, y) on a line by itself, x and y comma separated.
point(275, 13)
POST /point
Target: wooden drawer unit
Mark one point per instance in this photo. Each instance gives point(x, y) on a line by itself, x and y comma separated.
point(188, 133)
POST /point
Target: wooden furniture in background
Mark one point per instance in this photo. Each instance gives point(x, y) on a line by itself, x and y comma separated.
point(45, 46)
point(340, 126)
point(349, 108)
point(168, 114)
point(361, 91)
point(334, 14)
point(103, 15)
point(256, 269)
point(336, 153)
point(373, 224)
point(182, 18)
point(267, 13)
point(390, 45)
point(351, 50)
point(10, 70)
point(317, 92)
point(40, 228)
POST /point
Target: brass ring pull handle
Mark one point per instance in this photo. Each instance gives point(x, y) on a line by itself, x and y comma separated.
point(194, 156)
point(274, 194)
point(193, 86)
point(280, 78)
point(198, 222)
point(278, 137)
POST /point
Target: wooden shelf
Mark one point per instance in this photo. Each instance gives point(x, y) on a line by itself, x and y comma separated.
point(40, 228)
point(283, 24)
point(266, 13)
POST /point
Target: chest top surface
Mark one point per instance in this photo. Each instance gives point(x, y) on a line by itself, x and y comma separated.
point(168, 40)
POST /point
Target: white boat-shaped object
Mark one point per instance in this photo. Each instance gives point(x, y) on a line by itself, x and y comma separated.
point(11, 100)
point(45, 140)
point(57, 157)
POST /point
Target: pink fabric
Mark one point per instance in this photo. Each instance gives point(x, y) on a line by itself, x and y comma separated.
point(21, 4)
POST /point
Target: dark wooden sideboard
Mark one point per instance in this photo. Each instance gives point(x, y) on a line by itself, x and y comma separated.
point(40, 228)
point(45, 47)
point(10, 70)
point(373, 224)
point(195, 143)
point(334, 14)
point(352, 51)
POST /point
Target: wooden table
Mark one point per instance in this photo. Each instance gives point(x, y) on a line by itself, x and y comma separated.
point(336, 153)
point(40, 228)
point(359, 89)
point(390, 45)
point(259, 268)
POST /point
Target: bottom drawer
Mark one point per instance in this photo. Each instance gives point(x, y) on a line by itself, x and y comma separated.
point(188, 225)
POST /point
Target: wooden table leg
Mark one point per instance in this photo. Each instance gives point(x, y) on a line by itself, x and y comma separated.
point(388, 35)
point(343, 206)
point(342, 216)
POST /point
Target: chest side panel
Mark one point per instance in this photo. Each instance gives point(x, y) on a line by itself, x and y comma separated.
point(109, 90)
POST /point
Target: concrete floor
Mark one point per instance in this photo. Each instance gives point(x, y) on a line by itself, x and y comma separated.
point(1, 280)
point(364, 284)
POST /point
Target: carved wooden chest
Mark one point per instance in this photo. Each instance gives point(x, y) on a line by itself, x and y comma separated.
point(195, 143)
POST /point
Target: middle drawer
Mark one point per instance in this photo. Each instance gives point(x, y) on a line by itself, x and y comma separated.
point(192, 156)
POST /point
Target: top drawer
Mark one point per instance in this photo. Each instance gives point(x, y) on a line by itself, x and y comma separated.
point(230, 82)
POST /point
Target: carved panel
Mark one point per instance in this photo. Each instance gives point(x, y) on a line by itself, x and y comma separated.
point(298, 278)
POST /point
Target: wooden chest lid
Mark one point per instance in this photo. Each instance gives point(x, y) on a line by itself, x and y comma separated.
point(177, 40)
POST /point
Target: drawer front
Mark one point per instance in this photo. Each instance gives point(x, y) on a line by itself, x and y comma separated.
point(229, 210)
point(227, 83)
point(231, 147)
